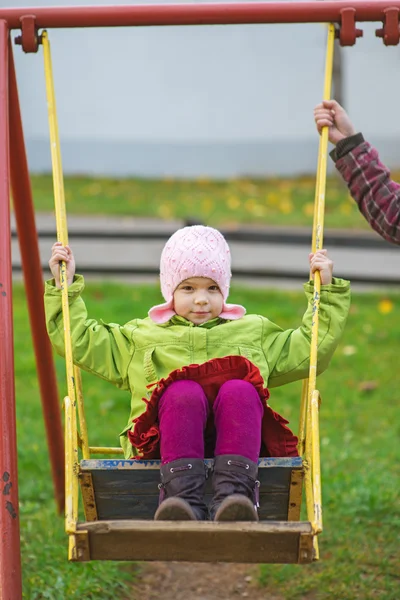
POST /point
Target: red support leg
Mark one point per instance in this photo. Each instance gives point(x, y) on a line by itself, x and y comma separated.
point(33, 276)
point(10, 560)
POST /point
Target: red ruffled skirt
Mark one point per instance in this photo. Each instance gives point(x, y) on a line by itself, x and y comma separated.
point(277, 438)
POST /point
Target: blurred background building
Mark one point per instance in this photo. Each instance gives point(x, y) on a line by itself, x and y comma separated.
point(220, 101)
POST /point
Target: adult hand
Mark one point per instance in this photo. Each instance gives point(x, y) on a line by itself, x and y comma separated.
point(330, 114)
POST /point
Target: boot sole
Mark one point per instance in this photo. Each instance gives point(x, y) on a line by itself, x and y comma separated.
point(236, 508)
point(174, 509)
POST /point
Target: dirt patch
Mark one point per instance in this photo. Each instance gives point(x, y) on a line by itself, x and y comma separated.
point(198, 581)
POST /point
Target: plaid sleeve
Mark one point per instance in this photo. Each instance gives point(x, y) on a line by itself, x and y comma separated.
point(369, 183)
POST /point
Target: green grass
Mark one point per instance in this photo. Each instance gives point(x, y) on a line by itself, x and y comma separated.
point(360, 429)
point(285, 202)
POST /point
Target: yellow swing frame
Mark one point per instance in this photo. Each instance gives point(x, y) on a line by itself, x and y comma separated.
point(286, 540)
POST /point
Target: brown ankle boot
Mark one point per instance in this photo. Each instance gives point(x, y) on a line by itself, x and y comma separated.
point(235, 488)
point(182, 491)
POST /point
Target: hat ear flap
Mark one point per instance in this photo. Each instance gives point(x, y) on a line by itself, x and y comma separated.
point(161, 313)
point(232, 312)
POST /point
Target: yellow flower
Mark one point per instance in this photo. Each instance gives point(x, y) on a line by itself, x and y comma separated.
point(385, 306)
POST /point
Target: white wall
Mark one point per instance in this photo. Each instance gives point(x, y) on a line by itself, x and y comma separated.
point(191, 101)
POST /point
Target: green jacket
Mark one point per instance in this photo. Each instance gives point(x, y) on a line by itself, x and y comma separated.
point(141, 352)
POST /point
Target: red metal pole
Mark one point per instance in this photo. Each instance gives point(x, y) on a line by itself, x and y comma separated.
point(10, 560)
point(33, 276)
point(317, 11)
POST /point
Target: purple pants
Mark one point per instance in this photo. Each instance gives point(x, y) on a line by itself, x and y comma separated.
point(183, 411)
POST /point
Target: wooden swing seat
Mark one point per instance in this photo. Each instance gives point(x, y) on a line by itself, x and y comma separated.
point(120, 498)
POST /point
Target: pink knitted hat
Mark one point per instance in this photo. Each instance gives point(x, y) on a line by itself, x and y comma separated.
point(195, 251)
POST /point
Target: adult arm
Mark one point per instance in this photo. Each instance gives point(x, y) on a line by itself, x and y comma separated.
point(370, 184)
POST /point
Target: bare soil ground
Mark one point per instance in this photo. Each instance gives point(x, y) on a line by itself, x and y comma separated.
point(198, 581)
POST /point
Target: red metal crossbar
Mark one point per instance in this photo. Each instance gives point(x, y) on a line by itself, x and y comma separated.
point(317, 11)
point(343, 13)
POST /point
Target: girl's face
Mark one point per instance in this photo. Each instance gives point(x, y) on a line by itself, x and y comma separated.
point(198, 299)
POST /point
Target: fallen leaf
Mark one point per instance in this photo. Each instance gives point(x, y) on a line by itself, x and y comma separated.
point(308, 209)
point(345, 208)
point(233, 202)
point(286, 207)
point(349, 350)
point(273, 198)
point(367, 386)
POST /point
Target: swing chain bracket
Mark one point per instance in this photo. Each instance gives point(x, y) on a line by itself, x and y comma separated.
point(29, 38)
point(347, 32)
point(390, 32)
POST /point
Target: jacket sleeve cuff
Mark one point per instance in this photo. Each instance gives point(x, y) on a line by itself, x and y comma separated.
point(75, 289)
point(337, 286)
point(347, 145)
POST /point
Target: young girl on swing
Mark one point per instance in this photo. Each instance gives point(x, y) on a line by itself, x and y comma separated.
point(198, 369)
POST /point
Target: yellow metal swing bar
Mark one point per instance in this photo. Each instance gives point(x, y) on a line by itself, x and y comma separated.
point(309, 413)
point(74, 399)
point(74, 380)
point(309, 426)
